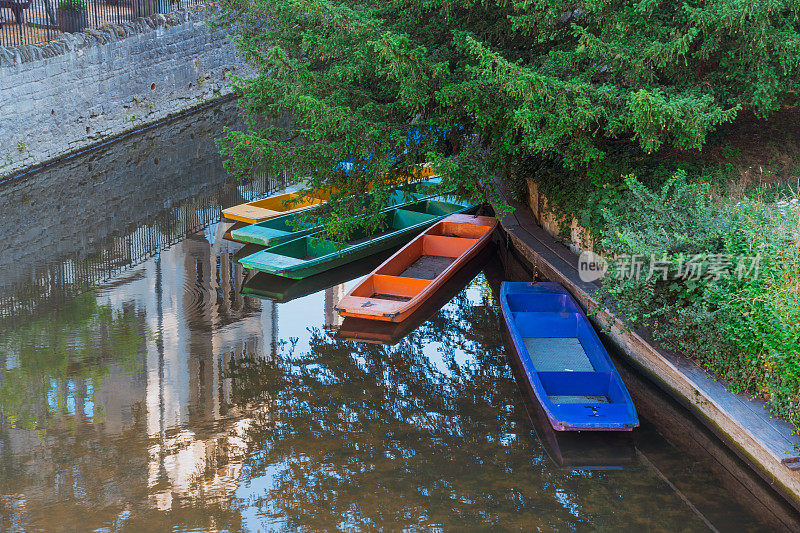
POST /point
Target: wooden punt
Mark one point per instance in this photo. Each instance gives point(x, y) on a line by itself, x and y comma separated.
point(564, 361)
point(274, 206)
point(310, 255)
point(293, 202)
point(411, 276)
point(288, 227)
point(389, 333)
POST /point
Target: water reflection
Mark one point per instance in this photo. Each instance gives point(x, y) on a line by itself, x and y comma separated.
point(427, 434)
point(280, 289)
point(202, 408)
point(86, 221)
point(119, 405)
point(162, 396)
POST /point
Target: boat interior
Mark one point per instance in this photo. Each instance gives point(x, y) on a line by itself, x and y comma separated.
point(289, 201)
point(288, 223)
point(569, 361)
point(280, 228)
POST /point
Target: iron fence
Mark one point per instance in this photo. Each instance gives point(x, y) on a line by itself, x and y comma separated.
point(38, 21)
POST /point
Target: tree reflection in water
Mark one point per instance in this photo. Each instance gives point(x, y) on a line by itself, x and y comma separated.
point(430, 433)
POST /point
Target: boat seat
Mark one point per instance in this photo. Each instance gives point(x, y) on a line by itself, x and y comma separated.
point(569, 387)
point(395, 288)
point(541, 303)
point(446, 246)
point(435, 208)
point(404, 218)
point(562, 399)
point(561, 354)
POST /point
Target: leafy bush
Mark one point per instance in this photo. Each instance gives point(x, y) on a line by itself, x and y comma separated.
point(545, 79)
point(745, 325)
point(764, 312)
point(72, 5)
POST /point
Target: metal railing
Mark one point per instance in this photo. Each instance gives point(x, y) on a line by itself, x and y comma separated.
point(39, 21)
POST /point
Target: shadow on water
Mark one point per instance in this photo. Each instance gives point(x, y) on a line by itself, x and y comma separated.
point(153, 394)
point(280, 289)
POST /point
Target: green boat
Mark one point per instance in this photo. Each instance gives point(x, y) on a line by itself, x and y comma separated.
point(280, 289)
point(310, 255)
point(247, 249)
point(285, 228)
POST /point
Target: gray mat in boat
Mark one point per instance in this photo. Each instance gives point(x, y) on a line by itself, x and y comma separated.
point(427, 267)
point(558, 355)
point(579, 399)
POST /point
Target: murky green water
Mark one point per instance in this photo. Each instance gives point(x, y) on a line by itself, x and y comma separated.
point(140, 390)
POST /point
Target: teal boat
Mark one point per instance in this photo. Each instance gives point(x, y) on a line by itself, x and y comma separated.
point(286, 228)
point(310, 255)
point(247, 249)
point(280, 289)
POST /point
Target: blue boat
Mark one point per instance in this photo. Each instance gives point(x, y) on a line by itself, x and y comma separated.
point(564, 361)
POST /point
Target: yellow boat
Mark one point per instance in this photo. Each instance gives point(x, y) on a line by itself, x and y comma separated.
point(271, 207)
point(292, 202)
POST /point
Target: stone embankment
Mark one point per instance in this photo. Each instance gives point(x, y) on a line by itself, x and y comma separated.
point(84, 88)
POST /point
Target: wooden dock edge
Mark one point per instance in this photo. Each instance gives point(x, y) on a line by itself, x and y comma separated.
point(767, 444)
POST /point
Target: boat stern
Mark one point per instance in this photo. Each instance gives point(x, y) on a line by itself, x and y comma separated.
point(594, 417)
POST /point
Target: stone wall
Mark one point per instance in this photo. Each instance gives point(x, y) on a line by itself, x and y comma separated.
point(62, 96)
point(564, 228)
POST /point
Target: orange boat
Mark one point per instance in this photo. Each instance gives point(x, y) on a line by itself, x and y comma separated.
point(406, 280)
point(389, 333)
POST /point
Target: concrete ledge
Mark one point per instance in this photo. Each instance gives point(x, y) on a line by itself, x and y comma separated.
point(766, 443)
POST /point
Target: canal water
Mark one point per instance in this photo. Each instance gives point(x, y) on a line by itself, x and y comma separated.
point(141, 390)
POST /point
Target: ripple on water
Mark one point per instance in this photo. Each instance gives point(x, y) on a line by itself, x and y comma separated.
point(197, 295)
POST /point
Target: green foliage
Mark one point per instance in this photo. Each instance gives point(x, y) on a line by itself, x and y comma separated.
point(72, 5)
point(587, 194)
point(73, 343)
point(340, 79)
point(764, 312)
point(745, 328)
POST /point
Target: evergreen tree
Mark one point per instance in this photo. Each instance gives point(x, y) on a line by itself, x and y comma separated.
point(375, 83)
